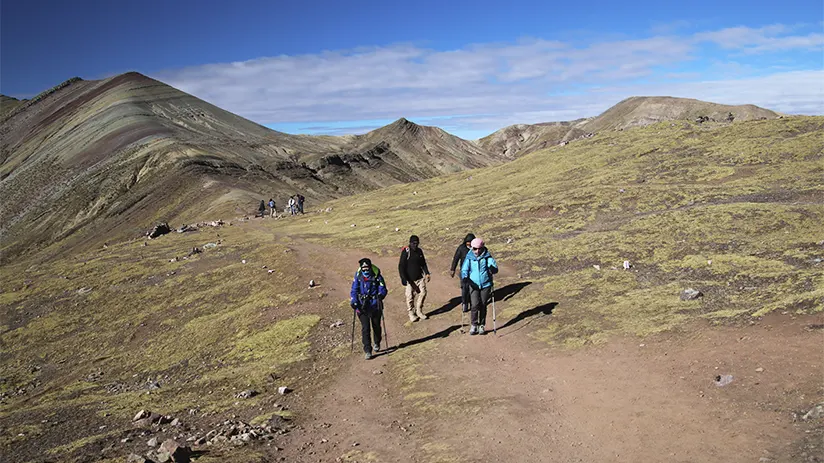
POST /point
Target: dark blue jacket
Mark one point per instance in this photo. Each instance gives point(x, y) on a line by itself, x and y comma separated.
point(368, 289)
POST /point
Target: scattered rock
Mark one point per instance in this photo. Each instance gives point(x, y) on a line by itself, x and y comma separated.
point(142, 414)
point(397, 229)
point(243, 261)
point(270, 271)
point(159, 230)
point(723, 380)
point(353, 225)
point(759, 369)
point(247, 394)
point(814, 413)
point(187, 228)
point(627, 265)
point(596, 267)
point(209, 245)
point(135, 458)
point(283, 390)
point(690, 294)
point(337, 324)
point(152, 442)
point(152, 385)
point(177, 452)
point(175, 422)
point(83, 291)
point(312, 283)
point(377, 372)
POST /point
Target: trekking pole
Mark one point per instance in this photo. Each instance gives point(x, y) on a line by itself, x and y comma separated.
point(385, 335)
point(352, 338)
point(494, 325)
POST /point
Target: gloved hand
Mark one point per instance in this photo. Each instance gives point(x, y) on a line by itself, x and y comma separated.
point(357, 312)
point(452, 274)
point(382, 296)
point(354, 305)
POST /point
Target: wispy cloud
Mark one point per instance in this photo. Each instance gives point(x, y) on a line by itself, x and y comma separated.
point(529, 81)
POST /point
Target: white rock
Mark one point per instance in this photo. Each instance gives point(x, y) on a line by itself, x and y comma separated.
point(596, 267)
point(243, 261)
point(283, 390)
point(312, 283)
point(353, 225)
point(397, 229)
point(627, 265)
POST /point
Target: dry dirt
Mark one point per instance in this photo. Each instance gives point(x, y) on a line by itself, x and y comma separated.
point(509, 396)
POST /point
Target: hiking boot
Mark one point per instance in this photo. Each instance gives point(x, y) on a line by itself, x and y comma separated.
point(413, 318)
point(473, 330)
point(422, 316)
point(367, 355)
point(376, 347)
point(481, 329)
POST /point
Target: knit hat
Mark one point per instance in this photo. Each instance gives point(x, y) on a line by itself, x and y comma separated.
point(477, 243)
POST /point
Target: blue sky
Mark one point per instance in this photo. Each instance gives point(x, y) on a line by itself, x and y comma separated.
point(470, 67)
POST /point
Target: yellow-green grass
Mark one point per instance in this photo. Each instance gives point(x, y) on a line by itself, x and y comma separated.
point(670, 198)
point(204, 327)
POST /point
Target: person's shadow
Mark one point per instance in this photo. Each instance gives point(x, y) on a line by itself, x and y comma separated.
point(542, 310)
point(440, 334)
point(502, 294)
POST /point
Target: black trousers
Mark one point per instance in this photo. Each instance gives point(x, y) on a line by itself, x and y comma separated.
point(370, 318)
point(466, 302)
point(480, 299)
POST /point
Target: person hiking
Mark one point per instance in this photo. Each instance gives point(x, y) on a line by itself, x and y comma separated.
point(292, 205)
point(477, 271)
point(262, 209)
point(273, 211)
point(414, 275)
point(301, 199)
point(457, 260)
point(366, 299)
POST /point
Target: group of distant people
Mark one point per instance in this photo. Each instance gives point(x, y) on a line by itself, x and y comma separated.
point(294, 206)
point(369, 287)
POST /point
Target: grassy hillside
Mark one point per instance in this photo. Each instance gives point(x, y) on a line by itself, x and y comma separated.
point(731, 210)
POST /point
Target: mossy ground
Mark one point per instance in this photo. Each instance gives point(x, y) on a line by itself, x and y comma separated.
point(83, 336)
point(733, 210)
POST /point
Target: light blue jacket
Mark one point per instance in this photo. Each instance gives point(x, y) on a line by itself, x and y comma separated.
point(479, 269)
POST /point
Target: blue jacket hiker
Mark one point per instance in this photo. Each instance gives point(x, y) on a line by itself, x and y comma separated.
point(476, 272)
point(366, 299)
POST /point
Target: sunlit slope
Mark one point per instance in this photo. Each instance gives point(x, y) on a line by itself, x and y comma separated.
point(734, 211)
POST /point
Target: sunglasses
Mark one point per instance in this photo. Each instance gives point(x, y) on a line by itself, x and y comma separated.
point(475, 249)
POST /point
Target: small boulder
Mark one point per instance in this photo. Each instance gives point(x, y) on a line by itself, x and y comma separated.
point(247, 394)
point(142, 414)
point(152, 442)
point(135, 458)
point(283, 390)
point(312, 283)
point(690, 294)
point(159, 230)
point(814, 413)
point(177, 452)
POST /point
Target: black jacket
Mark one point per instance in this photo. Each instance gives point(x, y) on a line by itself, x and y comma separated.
point(460, 253)
point(412, 265)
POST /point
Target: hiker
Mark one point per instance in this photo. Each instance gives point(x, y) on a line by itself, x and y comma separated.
point(457, 260)
point(414, 275)
point(301, 199)
point(273, 211)
point(366, 299)
point(292, 205)
point(477, 271)
point(262, 209)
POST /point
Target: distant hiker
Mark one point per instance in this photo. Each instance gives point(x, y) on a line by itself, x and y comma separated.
point(292, 205)
point(477, 271)
point(366, 299)
point(262, 209)
point(414, 275)
point(272, 210)
point(301, 199)
point(457, 260)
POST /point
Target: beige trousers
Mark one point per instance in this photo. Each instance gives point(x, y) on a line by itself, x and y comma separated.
point(413, 306)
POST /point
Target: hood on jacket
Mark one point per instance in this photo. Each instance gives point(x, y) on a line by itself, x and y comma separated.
point(469, 237)
point(375, 271)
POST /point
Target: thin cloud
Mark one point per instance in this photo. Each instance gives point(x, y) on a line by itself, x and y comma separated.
point(532, 80)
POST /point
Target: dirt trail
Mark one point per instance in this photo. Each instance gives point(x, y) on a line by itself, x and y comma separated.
point(443, 396)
